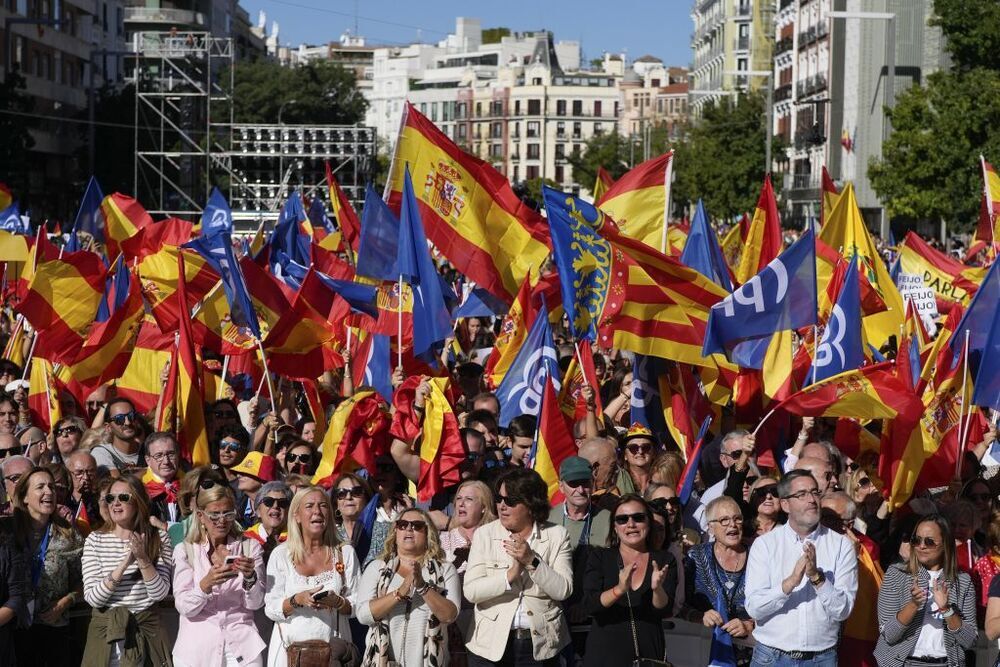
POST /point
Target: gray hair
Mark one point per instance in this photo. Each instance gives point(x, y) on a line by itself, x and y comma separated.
point(717, 503)
point(733, 435)
point(156, 436)
point(850, 506)
point(272, 487)
point(15, 459)
point(785, 485)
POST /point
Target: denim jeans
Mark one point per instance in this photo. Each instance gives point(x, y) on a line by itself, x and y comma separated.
point(765, 656)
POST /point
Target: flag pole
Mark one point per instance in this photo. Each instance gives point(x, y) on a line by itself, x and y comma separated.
point(31, 353)
point(668, 174)
point(399, 323)
point(764, 420)
point(583, 372)
point(267, 374)
point(963, 419)
point(225, 369)
point(815, 352)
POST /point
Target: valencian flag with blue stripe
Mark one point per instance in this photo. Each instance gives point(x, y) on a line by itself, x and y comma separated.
point(520, 393)
point(840, 346)
point(781, 297)
point(217, 216)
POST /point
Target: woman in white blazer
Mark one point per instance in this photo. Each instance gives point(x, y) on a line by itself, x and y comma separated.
point(520, 569)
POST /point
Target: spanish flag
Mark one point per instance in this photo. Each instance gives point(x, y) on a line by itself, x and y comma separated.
point(870, 392)
point(191, 433)
point(43, 394)
point(158, 272)
point(347, 217)
point(469, 211)
point(553, 442)
point(602, 183)
point(123, 218)
point(580, 373)
point(763, 241)
point(638, 201)
point(14, 349)
point(988, 231)
point(141, 380)
point(516, 323)
point(297, 343)
point(952, 281)
point(358, 433)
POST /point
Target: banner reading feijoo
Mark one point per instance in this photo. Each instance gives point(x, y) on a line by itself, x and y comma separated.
point(923, 298)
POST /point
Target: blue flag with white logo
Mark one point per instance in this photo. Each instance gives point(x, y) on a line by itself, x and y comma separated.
point(979, 316)
point(378, 370)
point(217, 216)
point(89, 217)
point(217, 250)
point(520, 392)
point(702, 251)
point(782, 296)
point(379, 239)
point(480, 303)
point(646, 401)
point(840, 346)
point(11, 221)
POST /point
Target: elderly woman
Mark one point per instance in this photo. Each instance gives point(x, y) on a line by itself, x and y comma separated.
point(271, 505)
point(351, 494)
point(53, 549)
point(408, 596)
point(715, 577)
point(126, 570)
point(520, 562)
point(927, 606)
point(218, 582)
point(313, 580)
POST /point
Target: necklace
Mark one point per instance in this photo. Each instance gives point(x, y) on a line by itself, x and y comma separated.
point(732, 578)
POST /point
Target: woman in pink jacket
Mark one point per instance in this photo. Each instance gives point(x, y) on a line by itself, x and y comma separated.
point(218, 583)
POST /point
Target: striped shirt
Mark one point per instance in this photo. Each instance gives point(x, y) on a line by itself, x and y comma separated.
point(101, 555)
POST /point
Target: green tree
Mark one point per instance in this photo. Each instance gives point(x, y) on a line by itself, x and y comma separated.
point(929, 169)
point(318, 92)
point(494, 35)
point(721, 159)
point(15, 139)
point(608, 150)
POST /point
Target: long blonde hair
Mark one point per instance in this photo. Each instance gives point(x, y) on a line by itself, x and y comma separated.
point(485, 499)
point(141, 523)
point(196, 531)
point(434, 550)
point(295, 544)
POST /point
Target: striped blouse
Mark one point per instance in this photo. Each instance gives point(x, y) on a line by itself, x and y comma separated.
point(101, 555)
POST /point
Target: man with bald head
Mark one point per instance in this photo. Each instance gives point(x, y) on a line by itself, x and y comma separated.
point(83, 499)
point(14, 468)
point(33, 442)
point(600, 453)
point(822, 472)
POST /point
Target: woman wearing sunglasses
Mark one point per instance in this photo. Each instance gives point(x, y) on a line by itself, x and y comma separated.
point(520, 570)
point(271, 505)
point(764, 508)
point(300, 458)
point(627, 589)
point(351, 495)
point(56, 582)
point(865, 489)
point(230, 446)
point(126, 571)
point(202, 477)
point(926, 607)
point(408, 596)
point(64, 439)
point(218, 582)
point(636, 470)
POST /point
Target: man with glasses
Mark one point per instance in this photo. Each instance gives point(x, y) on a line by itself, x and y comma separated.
point(83, 499)
point(121, 449)
point(13, 468)
point(736, 454)
point(162, 479)
point(801, 582)
point(33, 443)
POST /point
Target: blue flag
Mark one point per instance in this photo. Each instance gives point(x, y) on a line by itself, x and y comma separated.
point(690, 471)
point(217, 249)
point(520, 392)
point(361, 298)
point(287, 235)
point(986, 390)
point(702, 252)
point(646, 402)
point(979, 316)
point(840, 347)
point(782, 296)
point(89, 217)
point(11, 221)
point(378, 370)
point(318, 217)
point(480, 303)
point(583, 258)
point(379, 240)
point(217, 216)
point(115, 291)
point(431, 319)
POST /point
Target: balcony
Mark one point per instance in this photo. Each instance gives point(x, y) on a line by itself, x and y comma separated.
point(783, 92)
point(804, 181)
point(167, 18)
point(742, 43)
point(783, 46)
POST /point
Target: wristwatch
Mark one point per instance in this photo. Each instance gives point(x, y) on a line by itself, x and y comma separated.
point(535, 562)
point(819, 579)
point(293, 604)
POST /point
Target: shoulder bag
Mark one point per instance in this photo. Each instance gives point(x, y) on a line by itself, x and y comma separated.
point(640, 661)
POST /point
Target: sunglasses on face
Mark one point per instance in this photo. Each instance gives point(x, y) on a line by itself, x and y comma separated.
point(638, 517)
point(123, 417)
point(216, 517)
point(297, 458)
point(852, 466)
point(270, 502)
point(417, 525)
point(230, 445)
point(121, 497)
point(577, 483)
point(207, 484)
point(750, 481)
point(639, 449)
point(494, 463)
point(509, 501)
point(66, 430)
point(353, 492)
point(675, 501)
point(864, 483)
point(13, 451)
point(764, 491)
point(928, 542)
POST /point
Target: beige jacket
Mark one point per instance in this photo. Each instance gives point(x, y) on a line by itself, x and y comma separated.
point(540, 591)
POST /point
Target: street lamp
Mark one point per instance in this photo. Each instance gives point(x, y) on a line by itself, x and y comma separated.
point(770, 108)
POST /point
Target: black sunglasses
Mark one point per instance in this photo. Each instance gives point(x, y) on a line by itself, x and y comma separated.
point(509, 501)
point(66, 430)
point(762, 492)
point(929, 542)
point(121, 497)
point(638, 517)
point(417, 525)
point(207, 484)
point(283, 503)
point(636, 449)
point(300, 458)
point(13, 451)
point(123, 417)
point(354, 491)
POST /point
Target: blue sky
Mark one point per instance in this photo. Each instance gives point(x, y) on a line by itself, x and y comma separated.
point(658, 27)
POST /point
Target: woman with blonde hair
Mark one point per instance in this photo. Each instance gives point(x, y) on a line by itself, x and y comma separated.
point(408, 596)
point(473, 504)
point(126, 571)
point(218, 582)
point(667, 468)
point(313, 579)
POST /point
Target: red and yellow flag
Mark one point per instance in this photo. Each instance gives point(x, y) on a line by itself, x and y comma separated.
point(870, 392)
point(358, 433)
point(469, 211)
point(343, 211)
point(191, 433)
point(140, 382)
point(553, 442)
point(158, 273)
point(602, 183)
point(952, 281)
point(297, 343)
point(123, 218)
point(830, 194)
point(43, 394)
point(763, 241)
point(516, 324)
point(441, 451)
point(638, 201)
point(578, 375)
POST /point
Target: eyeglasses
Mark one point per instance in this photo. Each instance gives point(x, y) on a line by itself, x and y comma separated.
point(638, 517)
point(762, 492)
point(734, 455)
point(802, 494)
point(224, 414)
point(644, 448)
point(230, 445)
point(353, 492)
point(928, 542)
point(866, 482)
point(13, 451)
point(13, 479)
point(750, 481)
point(270, 502)
point(291, 459)
point(121, 497)
point(728, 521)
point(66, 430)
point(417, 525)
point(216, 517)
point(160, 456)
point(123, 417)
point(207, 484)
point(85, 472)
point(509, 501)
point(672, 501)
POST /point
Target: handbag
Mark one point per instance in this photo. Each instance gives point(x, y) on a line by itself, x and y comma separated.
point(639, 661)
point(320, 653)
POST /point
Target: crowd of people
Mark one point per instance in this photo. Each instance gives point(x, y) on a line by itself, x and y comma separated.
point(798, 563)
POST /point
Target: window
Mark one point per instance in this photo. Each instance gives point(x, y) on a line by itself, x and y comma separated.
point(496, 151)
point(560, 107)
point(559, 174)
point(532, 172)
point(120, 22)
point(462, 131)
point(434, 111)
point(534, 107)
point(517, 130)
point(577, 107)
point(577, 129)
point(655, 83)
point(534, 151)
point(597, 107)
point(536, 81)
point(423, 108)
point(560, 152)
point(517, 107)
point(479, 109)
point(561, 129)
point(496, 130)
point(533, 128)
point(514, 173)
point(598, 128)
point(460, 109)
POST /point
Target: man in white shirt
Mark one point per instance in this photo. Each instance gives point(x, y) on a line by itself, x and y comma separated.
point(737, 449)
point(801, 582)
